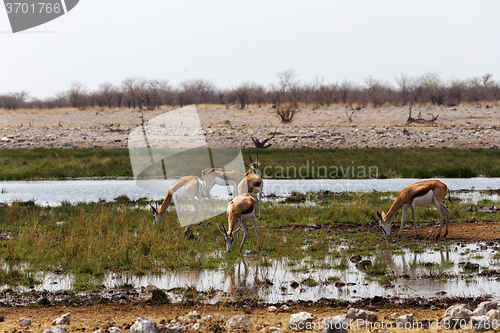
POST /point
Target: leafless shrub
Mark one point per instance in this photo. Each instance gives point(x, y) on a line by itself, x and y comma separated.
point(350, 112)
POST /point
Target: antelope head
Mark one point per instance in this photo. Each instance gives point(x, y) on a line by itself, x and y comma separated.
point(384, 224)
point(256, 164)
point(228, 237)
point(155, 213)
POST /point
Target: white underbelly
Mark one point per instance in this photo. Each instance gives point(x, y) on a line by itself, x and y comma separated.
point(181, 194)
point(223, 182)
point(424, 200)
point(246, 217)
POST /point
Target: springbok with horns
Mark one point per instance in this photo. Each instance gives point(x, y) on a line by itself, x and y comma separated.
point(224, 177)
point(420, 194)
point(185, 188)
point(239, 211)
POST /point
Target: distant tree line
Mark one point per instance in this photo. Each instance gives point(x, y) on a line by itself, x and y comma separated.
point(287, 92)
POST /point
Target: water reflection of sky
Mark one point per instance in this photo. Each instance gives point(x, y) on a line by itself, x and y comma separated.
point(73, 191)
point(272, 283)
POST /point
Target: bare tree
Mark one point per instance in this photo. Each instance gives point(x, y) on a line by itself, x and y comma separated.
point(77, 95)
point(344, 89)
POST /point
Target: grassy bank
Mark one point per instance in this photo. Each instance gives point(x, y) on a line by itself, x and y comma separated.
point(21, 164)
point(96, 238)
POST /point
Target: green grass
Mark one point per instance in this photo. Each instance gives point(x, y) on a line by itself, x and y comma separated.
point(21, 164)
point(107, 236)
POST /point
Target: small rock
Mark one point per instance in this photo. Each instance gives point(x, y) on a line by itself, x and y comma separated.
point(194, 315)
point(63, 320)
point(354, 259)
point(285, 308)
point(493, 314)
point(406, 319)
point(393, 316)
point(188, 233)
point(458, 311)
point(480, 323)
point(5, 139)
point(449, 323)
point(272, 308)
point(354, 313)
point(43, 301)
point(238, 321)
point(274, 329)
point(301, 321)
point(24, 322)
point(2, 318)
point(363, 264)
point(196, 327)
point(470, 266)
point(175, 328)
point(144, 325)
point(55, 329)
point(484, 307)
point(114, 329)
point(336, 324)
point(152, 294)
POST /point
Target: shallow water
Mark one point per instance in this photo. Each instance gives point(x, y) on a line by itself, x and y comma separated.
point(273, 282)
point(52, 193)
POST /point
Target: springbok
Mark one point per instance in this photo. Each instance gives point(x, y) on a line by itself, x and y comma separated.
point(187, 187)
point(253, 185)
point(239, 211)
point(420, 194)
point(224, 177)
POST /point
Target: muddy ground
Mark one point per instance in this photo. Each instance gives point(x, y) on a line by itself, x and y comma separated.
point(456, 127)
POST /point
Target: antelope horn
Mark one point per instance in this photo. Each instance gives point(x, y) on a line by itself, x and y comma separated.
point(154, 209)
point(223, 230)
point(373, 217)
point(250, 155)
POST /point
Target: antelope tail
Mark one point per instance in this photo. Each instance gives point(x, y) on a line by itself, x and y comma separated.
point(449, 197)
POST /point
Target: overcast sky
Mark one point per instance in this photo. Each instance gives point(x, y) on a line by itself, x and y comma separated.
point(234, 41)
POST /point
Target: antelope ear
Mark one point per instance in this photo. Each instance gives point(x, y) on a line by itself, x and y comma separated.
point(383, 215)
point(154, 209)
point(222, 231)
point(237, 229)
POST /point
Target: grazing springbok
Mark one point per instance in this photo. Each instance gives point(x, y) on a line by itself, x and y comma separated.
point(239, 211)
point(420, 194)
point(185, 188)
point(224, 177)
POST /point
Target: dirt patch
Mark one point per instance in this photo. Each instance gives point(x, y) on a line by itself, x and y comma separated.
point(321, 128)
point(92, 317)
point(471, 231)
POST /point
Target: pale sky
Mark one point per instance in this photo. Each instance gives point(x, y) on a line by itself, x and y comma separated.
point(234, 41)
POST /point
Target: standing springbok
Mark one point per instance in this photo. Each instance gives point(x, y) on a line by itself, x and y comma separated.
point(224, 177)
point(419, 194)
point(239, 211)
point(188, 187)
point(253, 185)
